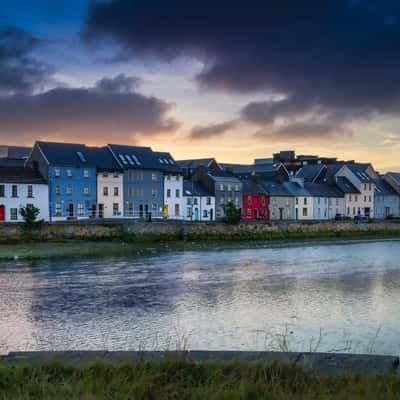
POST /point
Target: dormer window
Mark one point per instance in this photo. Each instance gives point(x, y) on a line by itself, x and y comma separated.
point(57, 172)
point(86, 173)
point(69, 173)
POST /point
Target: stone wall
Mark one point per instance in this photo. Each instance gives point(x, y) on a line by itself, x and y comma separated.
point(188, 230)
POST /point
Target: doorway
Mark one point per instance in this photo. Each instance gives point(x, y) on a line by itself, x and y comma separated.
point(281, 213)
point(101, 210)
point(71, 210)
point(2, 213)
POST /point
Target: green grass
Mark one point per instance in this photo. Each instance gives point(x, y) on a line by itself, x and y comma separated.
point(181, 379)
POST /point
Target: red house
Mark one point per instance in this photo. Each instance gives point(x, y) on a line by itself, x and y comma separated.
point(255, 202)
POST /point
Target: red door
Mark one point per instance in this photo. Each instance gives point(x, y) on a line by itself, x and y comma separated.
point(2, 213)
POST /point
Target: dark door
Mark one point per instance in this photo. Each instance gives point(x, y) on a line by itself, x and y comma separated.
point(94, 210)
point(146, 210)
point(101, 210)
point(211, 215)
point(256, 213)
point(71, 210)
point(141, 211)
point(281, 213)
point(2, 213)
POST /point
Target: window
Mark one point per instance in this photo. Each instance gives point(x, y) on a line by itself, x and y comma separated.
point(13, 214)
point(370, 199)
point(14, 191)
point(249, 200)
point(177, 193)
point(2, 191)
point(370, 187)
point(116, 175)
point(30, 191)
point(205, 214)
point(153, 176)
point(168, 177)
point(319, 200)
point(81, 210)
point(229, 187)
point(154, 193)
point(305, 200)
point(365, 198)
point(236, 201)
point(105, 174)
point(86, 173)
point(189, 201)
point(105, 191)
point(69, 173)
point(168, 193)
point(86, 191)
point(57, 172)
point(236, 188)
point(176, 210)
point(365, 186)
point(69, 190)
point(354, 210)
point(221, 187)
point(189, 212)
point(208, 201)
point(154, 208)
point(305, 212)
point(139, 175)
point(115, 209)
point(248, 212)
point(222, 200)
point(337, 202)
point(195, 201)
point(139, 191)
point(348, 210)
point(130, 209)
point(116, 191)
point(130, 191)
point(350, 198)
point(297, 201)
point(130, 175)
point(178, 178)
point(263, 202)
point(58, 212)
point(355, 198)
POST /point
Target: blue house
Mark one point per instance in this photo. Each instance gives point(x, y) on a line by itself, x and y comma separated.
point(71, 175)
point(143, 181)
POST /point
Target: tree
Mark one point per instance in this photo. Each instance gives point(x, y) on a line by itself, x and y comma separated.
point(233, 214)
point(30, 213)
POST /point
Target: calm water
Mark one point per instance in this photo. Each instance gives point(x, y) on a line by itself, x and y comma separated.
point(244, 298)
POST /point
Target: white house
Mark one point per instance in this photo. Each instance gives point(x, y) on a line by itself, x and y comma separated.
point(328, 201)
point(199, 204)
point(173, 186)
point(20, 187)
point(303, 200)
point(110, 189)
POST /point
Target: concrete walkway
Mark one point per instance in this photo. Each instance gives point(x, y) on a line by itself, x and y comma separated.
point(325, 363)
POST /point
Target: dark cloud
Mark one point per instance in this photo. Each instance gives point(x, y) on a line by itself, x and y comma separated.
point(19, 72)
point(110, 109)
point(201, 132)
point(339, 57)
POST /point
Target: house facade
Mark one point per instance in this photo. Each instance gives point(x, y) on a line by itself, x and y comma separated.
point(255, 201)
point(387, 200)
point(173, 186)
point(199, 204)
point(71, 176)
point(303, 200)
point(281, 202)
point(143, 181)
point(21, 187)
point(328, 201)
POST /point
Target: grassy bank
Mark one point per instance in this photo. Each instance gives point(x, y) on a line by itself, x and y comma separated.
point(182, 379)
point(149, 244)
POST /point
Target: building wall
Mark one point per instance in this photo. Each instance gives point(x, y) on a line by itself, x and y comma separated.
point(255, 207)
point(281, 208)
point(303, 208)
point(386, 205)
point(226, 192)
point(173, 197)
point(325, 208)
point(143, 193)
point(110, 191)
point(199, 208)
point(358, 204)
point(81, 202)
point(39, 199)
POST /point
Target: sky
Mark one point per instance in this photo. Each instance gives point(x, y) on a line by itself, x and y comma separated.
point(230, 79)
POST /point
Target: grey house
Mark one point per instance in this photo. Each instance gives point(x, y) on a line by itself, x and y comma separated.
point(387, 201)
point(223, 186)
point(143, 181)
point(281, 201)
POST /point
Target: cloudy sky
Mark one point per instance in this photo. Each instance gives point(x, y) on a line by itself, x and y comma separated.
point(232, 79)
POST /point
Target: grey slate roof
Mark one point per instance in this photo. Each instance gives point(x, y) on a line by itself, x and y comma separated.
point(191, 188)
point(322, 190)
point(345, 186)
point(395, 176)
point(382, 188)
point(253, 188)
point(295, 189)
point(275, 189)
point(359, 170)
point(135, 157)
point(5, 162)
point(310, 172)
point(20, 175)
point(328, 175)
point(227, 178)
point(102, 158)
point(195, 163)
point(167, 162)
point(15, 152)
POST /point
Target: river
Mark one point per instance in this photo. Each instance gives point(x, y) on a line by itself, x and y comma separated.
point(318, 296)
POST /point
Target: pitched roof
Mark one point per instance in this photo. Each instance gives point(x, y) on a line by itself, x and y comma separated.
point(328, 174)
point(20, 175)
point(322, 190)
point(382, 188)
point(359, 170)
point(191, 188)
point(167, 162)
point(395, 176)
point(345, 186)
point(223, 178)
point(295, 189)
point(15, 152)
point(134, 157)
point(102, 158)
point(252, 188)
point(5, 162)
point(194, 163)
point(310, 172)
point(275, 189)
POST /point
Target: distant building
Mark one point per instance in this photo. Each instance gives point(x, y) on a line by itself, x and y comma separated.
point(199, 203)
point(263, 171)
point(21, 187)
point(281, 201)
point(14, 152)
point(303, 200)
point(255, 201)
point(190, 166)
point(387, 201)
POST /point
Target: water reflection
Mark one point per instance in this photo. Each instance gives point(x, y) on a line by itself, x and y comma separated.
point(221, 299)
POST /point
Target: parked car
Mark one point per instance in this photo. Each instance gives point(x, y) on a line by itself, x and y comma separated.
point(340, 217)
point(361, 218)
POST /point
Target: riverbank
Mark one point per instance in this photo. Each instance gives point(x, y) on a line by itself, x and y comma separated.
point(191, 376)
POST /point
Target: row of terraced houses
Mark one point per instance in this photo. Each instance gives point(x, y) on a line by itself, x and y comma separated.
point(73, 182)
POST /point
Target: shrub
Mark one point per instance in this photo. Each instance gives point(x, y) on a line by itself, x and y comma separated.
point(233, 214)
point(30, 213)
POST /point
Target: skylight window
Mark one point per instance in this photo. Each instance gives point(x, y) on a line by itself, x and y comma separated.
point(165, 160)
point(171, 162)
point(160, 160)
point(136, 160)
point(81, 156)
point(130, 161)
point(122, 158)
